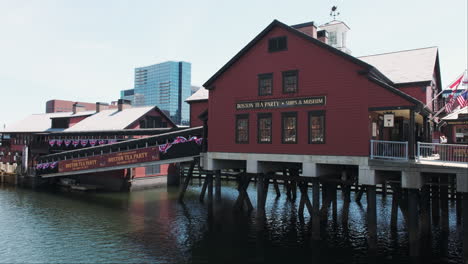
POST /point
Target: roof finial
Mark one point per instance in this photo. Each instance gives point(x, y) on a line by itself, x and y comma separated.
point(334, 13)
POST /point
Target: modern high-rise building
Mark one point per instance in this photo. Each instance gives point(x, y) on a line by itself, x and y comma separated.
point(165, 85)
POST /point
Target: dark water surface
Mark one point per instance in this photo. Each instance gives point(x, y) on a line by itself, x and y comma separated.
point(150, 226)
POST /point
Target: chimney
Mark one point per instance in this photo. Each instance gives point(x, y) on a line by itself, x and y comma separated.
point(123, 104)
point(101, 106)
point(78, 108)
point(307, 28)
point(322, 35)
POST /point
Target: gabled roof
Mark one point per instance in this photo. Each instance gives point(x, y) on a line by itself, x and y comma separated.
point(112, 119)
point(200, 95)
point(42, 122)
point(273, 24)
point(374, 73)
point(407, 66)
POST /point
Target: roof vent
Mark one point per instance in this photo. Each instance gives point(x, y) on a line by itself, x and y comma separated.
point(123, 104)
point(78, 108)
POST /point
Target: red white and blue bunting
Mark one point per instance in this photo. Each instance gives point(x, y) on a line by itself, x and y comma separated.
point(165, 147)
point(47, 165)
point(80, 142)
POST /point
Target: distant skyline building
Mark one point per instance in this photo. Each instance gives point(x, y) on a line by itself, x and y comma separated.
point(56, 106)
point(165, 85)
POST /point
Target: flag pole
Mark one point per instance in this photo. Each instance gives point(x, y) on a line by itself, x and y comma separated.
point(435, 97)
point(463, 76)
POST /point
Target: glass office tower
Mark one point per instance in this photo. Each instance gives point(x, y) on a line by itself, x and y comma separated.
point(165, 85)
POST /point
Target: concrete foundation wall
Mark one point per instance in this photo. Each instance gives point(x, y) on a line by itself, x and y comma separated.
point(261, 163)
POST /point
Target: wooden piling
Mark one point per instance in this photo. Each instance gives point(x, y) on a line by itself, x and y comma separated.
point(275, 184)
point(465, 227)
point(326, 201)
point(333, 194)
point(210, 187)
point(316, 209)
point(458, 206)
point(413, 222)
point(305, 201)
point(435, 203)
point(345, 189)
point(218, 185)
point(260, 196)
point(265, 188)
point(243, 198)
point(444, 187)
point(396, 192)
point(204, 187)
point(425, 213)
point(186, 182)
point(371, 217)
point(384, 189)
point(360, 193)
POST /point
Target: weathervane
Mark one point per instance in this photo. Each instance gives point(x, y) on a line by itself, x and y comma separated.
point(333, 12)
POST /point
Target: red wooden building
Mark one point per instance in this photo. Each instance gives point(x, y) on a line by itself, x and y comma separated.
point(290, 97)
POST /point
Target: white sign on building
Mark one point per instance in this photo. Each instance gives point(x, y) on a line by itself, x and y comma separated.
point(388, 120)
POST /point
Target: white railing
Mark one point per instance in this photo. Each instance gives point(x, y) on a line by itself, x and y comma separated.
point(393, 150)
point(442, 152)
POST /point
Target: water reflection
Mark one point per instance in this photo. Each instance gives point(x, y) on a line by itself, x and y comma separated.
point(150, 226)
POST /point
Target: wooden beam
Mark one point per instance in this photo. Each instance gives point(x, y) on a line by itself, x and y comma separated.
point(187, 180)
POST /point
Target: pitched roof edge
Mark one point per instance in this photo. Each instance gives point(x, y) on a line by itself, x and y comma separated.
point(390, 88)
point(275, 22)
point(419, 83)
point(157, 110)
point(196, 100)
point(398, 51)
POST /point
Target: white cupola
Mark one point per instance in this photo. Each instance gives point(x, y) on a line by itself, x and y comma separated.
point(337, 31)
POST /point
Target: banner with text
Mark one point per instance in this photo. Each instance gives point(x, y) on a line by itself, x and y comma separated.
point(110, 160)
point(281, 103)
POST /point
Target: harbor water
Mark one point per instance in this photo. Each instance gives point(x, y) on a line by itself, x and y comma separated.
point(151, 226)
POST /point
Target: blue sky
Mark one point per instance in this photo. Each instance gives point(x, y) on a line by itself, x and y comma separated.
point(86, 50)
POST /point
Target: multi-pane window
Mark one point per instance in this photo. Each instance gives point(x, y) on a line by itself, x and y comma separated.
point(264, 128)
point(153, 169)
point(242, 128)
point(265, 84)
point(332, 38)
point(277, 44)
point(290, 81)
point(289, 127)
point(317, 127)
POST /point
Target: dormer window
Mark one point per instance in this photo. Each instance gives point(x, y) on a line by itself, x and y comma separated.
point(60, 123)
point(277, 44)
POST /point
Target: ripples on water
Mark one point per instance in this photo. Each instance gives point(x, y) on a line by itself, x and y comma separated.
point(150, 226)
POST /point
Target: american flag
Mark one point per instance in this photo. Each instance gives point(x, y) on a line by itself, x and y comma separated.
point(457, 82)
point(449, 105)
point(462, 99)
